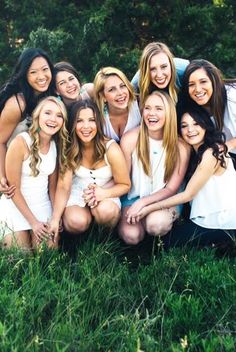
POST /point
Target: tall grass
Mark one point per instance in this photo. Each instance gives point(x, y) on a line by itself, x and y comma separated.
point(99, 300)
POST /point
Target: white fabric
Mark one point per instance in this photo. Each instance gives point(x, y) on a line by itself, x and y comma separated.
point(214, 205)
point(230, 114)
point(134, 119)
point(34, 190)
point(143, 185)
point(83, 177)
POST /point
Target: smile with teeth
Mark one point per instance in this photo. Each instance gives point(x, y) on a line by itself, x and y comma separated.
point(161, 81)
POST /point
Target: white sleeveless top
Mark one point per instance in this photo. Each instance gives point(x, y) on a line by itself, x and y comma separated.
point(34, 190)
point(214, 205)
point(143, 185)
point(133, 121)
point(84, 176)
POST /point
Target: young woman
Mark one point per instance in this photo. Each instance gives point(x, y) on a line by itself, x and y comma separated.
point(158, 69)
point(86, 191)
point(116, 101)
point(157, 160)
point(68, 85)
point(204, 86)
point(31, 166)
point(211, 185)
point(30, 81)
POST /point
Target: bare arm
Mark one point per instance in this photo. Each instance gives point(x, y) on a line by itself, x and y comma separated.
point(61, 197)
point(172, 185)
point(10, 117)
point(204, 171)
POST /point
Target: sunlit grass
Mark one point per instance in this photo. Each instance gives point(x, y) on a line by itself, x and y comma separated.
point(108, 298)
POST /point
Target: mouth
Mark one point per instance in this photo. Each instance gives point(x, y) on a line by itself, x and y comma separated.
point(51, 125)
point(121, 100)
point(152, 120)
point(71, 91)
point(42, 84)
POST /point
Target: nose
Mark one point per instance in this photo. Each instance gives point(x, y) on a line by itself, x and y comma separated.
point(158, 72)
point(40, 75)
point(197, 87)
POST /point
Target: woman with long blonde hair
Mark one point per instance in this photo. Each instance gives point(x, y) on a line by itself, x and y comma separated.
point(116, 101)
point(157, 161)
point(158, 69)
point(31, 165)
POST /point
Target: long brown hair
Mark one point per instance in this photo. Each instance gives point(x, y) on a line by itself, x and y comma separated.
point(75, 152)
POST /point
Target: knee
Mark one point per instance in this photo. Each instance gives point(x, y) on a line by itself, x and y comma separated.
point(107, 214)
point(158, 226)
point(76, 225)
point(130, 234)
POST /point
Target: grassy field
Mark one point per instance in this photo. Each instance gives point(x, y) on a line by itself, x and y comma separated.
point(105, 297)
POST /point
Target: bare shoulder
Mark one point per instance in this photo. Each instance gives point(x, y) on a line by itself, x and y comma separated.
point(13, 108)
point(89, 87)
point(18, 146)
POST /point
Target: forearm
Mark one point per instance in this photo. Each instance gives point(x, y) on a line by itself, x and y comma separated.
point(117, 190)
point(158, 196)
point(167, 203)
point(3, 150)
point(60, 201)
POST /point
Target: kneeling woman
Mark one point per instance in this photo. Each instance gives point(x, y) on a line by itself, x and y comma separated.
point(157, 160)
point(31, 162)
point(211, 186)
point(96, 178)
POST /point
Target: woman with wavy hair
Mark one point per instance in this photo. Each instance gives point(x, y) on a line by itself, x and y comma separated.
point(211, 185)
point(157, 161)
point(203, 85)
point(159, 70)
point(116, 101)
point(30, 81)
point(31, 165)
point(96, 177)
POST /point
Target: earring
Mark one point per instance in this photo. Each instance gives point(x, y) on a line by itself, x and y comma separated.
point(38, 129)
point(59, 97)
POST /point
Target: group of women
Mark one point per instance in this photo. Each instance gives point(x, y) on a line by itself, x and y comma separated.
point(116, 151)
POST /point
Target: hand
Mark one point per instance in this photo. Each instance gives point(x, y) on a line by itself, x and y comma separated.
point(136, 218)
point(54, 227)
point(135, 208)
point(93, 195)
point(41, 231)
point(9, 191)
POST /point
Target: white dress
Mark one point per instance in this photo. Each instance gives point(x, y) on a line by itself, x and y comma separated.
point(34, 190)
point(143, 185)
point(83, 177)
point(214, 205)
point(134, 119)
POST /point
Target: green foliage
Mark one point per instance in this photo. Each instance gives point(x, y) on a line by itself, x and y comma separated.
point(182, 301)
point(111, 32)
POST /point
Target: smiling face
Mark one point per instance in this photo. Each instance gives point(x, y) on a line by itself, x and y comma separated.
point(160, 70)
point(39, 75)
point(86, 127)
point(50, 118)
point(116, 93)
point(154, 114)
point(67, 85)
point(200, 87)
point(191, 131)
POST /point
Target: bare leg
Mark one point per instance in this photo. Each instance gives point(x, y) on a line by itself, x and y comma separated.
point(76, 219)
point(130, 234)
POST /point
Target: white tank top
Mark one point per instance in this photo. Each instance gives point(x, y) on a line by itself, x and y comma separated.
point(214, 205)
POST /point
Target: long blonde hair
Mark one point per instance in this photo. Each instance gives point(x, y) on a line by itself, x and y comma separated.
point(99, 83)
point(170, 138)
point(145, 84)
point(61, 137)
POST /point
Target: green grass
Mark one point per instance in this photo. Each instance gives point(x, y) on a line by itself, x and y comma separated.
point(108, 298)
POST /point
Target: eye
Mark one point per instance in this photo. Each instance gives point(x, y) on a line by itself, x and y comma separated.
point(164, 66)
point(45, 69)
point(32, 72)
point(191, 84)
